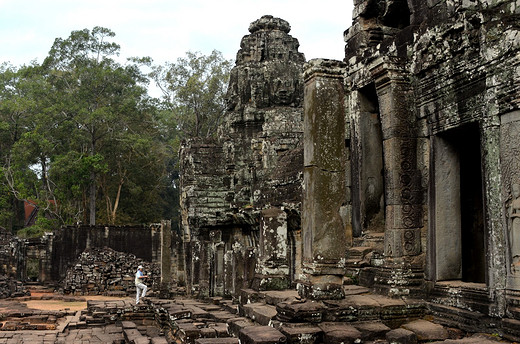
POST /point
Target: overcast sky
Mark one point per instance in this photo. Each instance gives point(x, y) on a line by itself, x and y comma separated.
point(166, 29)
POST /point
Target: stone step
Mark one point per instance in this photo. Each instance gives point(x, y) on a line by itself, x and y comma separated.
point(358, 253)
point(274, 297)
point(237, 324)
point(427, 331)
point(301, 333)
point(261, 335)
point(259, 312)
point(372, 330)
point(337, 333)
point(229, 340)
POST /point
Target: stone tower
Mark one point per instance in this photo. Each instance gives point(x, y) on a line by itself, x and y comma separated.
point(241, 193)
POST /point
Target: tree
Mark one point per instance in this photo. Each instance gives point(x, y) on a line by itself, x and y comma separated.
point(97, 97)
point(79, 134)
point(193, 92)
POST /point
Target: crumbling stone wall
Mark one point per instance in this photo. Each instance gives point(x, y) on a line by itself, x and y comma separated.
point(246, 184)
point(10, 287)
point(70, 241)
point(104, 271)
point(11, 254)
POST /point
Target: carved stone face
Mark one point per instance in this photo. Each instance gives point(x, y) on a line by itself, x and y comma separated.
point(283, 91)
point(516, 190)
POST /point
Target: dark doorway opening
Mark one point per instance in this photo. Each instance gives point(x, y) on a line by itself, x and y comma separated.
point(460, 227)
point(368, 174)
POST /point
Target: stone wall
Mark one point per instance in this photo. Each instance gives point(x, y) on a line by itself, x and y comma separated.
point(10, 287)
point(11, 254)
point(432, 88)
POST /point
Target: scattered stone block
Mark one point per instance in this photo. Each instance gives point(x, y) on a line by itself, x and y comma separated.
point(300, 311)
point(426, 330)
point(235, 325)
point(260, 313)
point(401, 336)
point(228, 340)
point(371, 331)
point(261, 335)
point(338, 333)
point(302, 333)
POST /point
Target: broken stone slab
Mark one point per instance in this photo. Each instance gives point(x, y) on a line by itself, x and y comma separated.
point(401, 336)
point(300, 311)
point(229, 340)
point(249, 296)
point(221, 329)
point(132, 335)
point(355, 290)
point(208, 333)
point(187, 332)
point(301, 333)
point(260, 313)
point(159, 340)
point(128, 325)
point(197, 312)
point(337, 333)
point(426, 330)
point(274, 297)
point(395, 312)
point(261, 335)
point(339, 310)
point(222, 316)
point(176, 312)
point(235, 325)
point(372, 330)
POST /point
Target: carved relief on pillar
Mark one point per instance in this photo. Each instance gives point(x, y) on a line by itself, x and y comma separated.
point(510, 166)
point(514, 227)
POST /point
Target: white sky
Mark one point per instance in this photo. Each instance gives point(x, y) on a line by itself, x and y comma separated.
point(166, 29)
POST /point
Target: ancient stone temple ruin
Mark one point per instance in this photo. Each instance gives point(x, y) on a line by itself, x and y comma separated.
point(241, 194)
point(397, 168)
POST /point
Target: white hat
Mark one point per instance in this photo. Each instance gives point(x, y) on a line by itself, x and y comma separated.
point(140, 267)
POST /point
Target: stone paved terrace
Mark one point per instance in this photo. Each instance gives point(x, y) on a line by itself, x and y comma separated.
point(260, 318)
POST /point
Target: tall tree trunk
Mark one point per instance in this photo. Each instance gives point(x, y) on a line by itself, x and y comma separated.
point(92, 196)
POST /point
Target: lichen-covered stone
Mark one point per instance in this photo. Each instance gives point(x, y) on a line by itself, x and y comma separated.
point(255, 164)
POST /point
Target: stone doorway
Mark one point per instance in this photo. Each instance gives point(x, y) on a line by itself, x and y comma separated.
point(368, 174)
point(458, 227)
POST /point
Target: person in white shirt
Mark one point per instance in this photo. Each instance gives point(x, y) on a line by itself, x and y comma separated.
point(140, 287)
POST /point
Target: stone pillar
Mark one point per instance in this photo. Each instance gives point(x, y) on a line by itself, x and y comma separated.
point(272, 269)
point(166, 263)
point(403, 194)
point(325, 238)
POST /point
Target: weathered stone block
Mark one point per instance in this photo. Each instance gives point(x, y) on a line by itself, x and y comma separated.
point(261, 335)
point(302, 333)
point(401, 336)
point(339, 333)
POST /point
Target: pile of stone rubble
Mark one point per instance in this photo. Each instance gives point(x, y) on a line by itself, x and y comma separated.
point(104, 271)
point(11, 288)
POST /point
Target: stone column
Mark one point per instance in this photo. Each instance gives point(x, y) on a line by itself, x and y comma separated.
point(325, 239)
point(272, 269)
point(403, 194)
point(166, 263)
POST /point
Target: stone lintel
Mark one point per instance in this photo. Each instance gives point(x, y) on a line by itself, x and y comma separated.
point(324, 68)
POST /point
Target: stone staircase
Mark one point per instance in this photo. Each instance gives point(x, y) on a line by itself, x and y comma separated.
point(269, 317)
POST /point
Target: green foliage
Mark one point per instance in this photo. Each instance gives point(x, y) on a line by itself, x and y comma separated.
point(43, 225)
point(80, 136)
point(194, 91)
